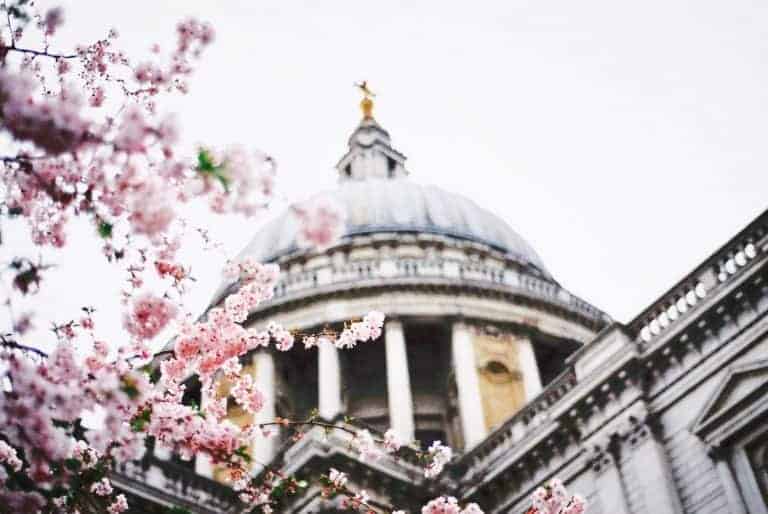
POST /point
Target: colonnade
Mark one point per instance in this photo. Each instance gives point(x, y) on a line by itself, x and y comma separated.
point(399, 393)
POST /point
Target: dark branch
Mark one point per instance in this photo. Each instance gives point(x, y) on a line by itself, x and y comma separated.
point(10, 343)
point(41, 53)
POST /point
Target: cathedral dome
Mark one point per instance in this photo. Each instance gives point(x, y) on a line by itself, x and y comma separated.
point(398, 205)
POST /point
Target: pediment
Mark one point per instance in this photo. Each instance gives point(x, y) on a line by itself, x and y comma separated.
point(742, 386)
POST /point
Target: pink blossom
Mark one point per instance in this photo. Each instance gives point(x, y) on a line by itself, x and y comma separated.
point(97, 97)
point(8, 456)
point(53, 19)
point(442, 505)
point(358, 501)
point(119, 505)
point(173, 370)
point(187, 348)
point(148, 316)
point(439, 456)
point(367, 446)
point(392, 442)
point(321, 222)
point(338, 478)
point(102, 488)
point(54, 124)
point(553, 498)
point(246, 394)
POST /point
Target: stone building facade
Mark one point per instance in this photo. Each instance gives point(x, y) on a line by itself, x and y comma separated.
point(484, 350)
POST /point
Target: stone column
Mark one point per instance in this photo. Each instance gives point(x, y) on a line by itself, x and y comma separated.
point(530, 369)
point(468, 385)
point(264, 378)
point(398, 382)
point(329, 381)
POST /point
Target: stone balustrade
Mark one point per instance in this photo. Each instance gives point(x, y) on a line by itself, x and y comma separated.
point(717, 271)
point(520, 427)
point(300, 281)
point(175, 484)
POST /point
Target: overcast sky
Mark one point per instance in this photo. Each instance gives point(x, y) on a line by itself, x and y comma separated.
point(624, 140)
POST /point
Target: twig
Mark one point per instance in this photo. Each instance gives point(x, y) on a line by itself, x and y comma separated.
point(41, 53)
point(4, 341)
point(10, 27)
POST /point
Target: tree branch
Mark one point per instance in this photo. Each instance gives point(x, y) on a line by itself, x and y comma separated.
point(41, 53)
point(10, 343)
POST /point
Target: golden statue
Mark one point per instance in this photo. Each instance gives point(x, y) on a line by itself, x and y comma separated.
point(366, 104)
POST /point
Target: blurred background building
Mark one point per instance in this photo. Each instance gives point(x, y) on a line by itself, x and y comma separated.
point(485, 351)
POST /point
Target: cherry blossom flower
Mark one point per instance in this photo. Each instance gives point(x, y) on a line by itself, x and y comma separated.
point(392, 442)
point(246, 394)
point(321, 222)
point(52, 20)
point(439, 456)
point(8, 456)
point(102, 488)
point(119, 505)
point(449, 505)
point(553, 498)
point(366, 445)
point(337, 478)
point(357, 502)
point(149, 315)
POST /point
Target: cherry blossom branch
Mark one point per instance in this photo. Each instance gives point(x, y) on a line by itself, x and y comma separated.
point(39, 53)
point(10, 343)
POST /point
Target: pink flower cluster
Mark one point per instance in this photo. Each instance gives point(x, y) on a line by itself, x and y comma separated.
point(372, 450)
point(439, 456)
point(242, 182)
point(149, 315)
point(182, 429)
point(102, 488)
point(54, 124)
point(38, 414)
point(358, 332)
point(206, 346)
point(449, 505)
point(321, 222)
point(119, 505)
point(114, 171)
point(337, 478)
point(246, 395)
point(359, 501)
point(553, 498)
point(8, 456)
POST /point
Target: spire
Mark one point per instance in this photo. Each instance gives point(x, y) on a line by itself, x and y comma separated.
point(370, 153)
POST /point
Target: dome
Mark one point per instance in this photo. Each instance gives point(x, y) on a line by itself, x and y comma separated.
point(399, 205)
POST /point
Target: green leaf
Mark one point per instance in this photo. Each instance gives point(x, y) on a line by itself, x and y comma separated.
point(243, 452)
point(72, 464)
point(105, 229)
point(206, 166)
point(140, 421)
point(205, 161)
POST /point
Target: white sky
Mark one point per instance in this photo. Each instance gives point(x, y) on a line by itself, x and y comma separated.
point(624, 140)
